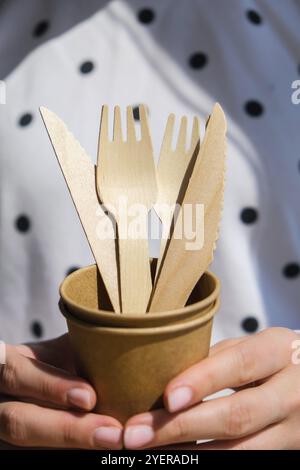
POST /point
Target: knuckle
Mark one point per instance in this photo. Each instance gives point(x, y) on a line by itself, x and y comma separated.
point(238, 420)
point(180, 428)
point(52, 387)
point(12, 425)
point(45, 388)
point(246, 363)
point(210, 377)
point(9, 376)
point(69, 431)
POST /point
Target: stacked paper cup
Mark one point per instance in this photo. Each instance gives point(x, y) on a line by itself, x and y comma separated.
point(130, 359)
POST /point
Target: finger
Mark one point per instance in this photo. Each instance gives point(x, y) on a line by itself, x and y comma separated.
point(29, 425)
point(233, 367)
point(25, 377)
point(56, 352)
point(274, 437)
point(185, 446)
point(238, 415)
point(225, 344)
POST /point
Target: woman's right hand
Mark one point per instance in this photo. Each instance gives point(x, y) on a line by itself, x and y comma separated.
point(42, 405)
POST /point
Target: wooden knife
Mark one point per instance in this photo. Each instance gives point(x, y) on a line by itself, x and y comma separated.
point(182, 267)
point(80, 176)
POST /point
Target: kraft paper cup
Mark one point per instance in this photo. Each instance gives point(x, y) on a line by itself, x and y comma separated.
point(130, 359)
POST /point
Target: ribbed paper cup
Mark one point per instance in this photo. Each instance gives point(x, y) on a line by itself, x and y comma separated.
point(130, 359)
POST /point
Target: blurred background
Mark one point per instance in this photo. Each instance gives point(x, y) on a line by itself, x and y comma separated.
point(72, 56)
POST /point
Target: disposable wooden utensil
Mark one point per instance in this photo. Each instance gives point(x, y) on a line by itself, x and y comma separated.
point(181, 267)
point(126, 175)
point(80, 176)
point(171, 170)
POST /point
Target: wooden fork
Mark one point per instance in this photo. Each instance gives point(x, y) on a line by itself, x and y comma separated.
point(182, 267)
point(126, 174)
point(171, 170)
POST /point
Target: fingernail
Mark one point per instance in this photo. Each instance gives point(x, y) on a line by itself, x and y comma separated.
point(138, 436)
point(107, 436)
point(80, 397)
point(179, 398)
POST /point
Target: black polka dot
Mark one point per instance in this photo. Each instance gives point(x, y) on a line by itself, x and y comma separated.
point(87, 67)
point(146, 15)
point(198, 60)
point(22, 223)
point(25, 119)
point(249, 215)
point(36, 329)
point(254, 108)
point(291, 270)
point(40, 28)
point(254, 17)
point(250, 324)
point(136, 113)
point(71, 270)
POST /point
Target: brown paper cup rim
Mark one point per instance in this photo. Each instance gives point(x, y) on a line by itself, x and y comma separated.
point(109, 317)
point(154, 330)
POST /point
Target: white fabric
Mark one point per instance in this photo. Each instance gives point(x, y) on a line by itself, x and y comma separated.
point(148, 63)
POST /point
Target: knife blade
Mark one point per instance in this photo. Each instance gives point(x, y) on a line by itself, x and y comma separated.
point(80, 176)
point(181, 268)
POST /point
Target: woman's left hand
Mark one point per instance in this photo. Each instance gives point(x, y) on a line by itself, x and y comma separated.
point(263, 413)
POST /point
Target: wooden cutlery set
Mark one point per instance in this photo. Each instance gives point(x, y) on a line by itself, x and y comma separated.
point(152, 329)
point(187, 174)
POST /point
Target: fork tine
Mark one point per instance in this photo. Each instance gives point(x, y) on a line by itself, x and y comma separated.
point(182, 134)
point(103, 133)
point(145, 134)
point(117, 124)
point(131, 137)
point(167, 139)
point(195, 139)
